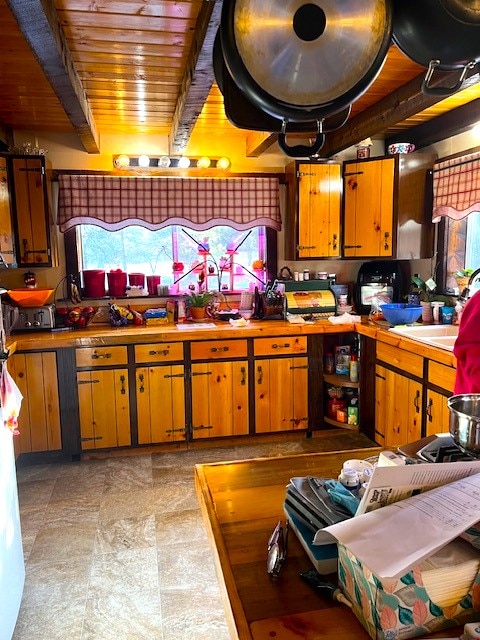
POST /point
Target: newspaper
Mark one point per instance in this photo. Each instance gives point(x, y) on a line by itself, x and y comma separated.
point(424, 507)
point(392, 540)
point(393, 483)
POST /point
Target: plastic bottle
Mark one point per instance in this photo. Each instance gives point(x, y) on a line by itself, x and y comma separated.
point(354, 367)
point(329, 363)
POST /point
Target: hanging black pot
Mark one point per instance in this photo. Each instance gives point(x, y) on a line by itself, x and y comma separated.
point(442, 35)
point(304, 61)
point(244, 115)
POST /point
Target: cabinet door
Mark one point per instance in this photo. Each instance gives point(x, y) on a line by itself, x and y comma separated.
point(368, 208)
point(160, 393)
point(319, 193)
point(7, 253)
point(438, 414)
point(104, 408)
point(39, 418)
point(219, 399)
point(31, 212)
point(398, 416)
point(281, 394)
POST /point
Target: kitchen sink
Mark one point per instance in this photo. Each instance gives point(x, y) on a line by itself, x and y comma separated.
point(441, 335)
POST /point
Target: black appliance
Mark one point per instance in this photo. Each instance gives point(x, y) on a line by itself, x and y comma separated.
point(382, 278)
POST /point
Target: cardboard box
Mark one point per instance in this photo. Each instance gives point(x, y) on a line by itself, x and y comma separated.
point(399, 609)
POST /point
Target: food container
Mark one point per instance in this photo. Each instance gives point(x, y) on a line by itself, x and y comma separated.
point(117, 283)
point(152, 285)
point(94, 283)
point(465, 421)
point(136, 279)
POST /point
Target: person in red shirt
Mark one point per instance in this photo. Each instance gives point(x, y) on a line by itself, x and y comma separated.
point(467, 348)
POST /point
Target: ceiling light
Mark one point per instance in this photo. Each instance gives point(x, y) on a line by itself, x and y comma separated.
point(164, 162)
point(122, 161)
point(203, 162)
point(476, 130)
point(143, 161)
point(223, 163)
point(184, 162)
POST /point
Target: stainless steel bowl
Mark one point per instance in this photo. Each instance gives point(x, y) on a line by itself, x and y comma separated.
point(465, 421)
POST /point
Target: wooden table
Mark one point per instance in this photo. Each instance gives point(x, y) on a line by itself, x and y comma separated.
point(241, 502)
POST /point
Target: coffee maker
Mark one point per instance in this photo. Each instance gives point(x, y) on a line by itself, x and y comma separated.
point(382, 278)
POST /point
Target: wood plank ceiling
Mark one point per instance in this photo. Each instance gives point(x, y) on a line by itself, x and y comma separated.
point(144, 67)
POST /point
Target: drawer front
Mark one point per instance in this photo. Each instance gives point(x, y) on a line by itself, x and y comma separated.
point(159, 352)
point(280, 346)
point(101, 356)
point(214, 349)
point(441, 375)
point(410, 363)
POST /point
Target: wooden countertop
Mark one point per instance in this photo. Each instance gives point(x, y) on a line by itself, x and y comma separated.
point(241, 503)
point(98, 335)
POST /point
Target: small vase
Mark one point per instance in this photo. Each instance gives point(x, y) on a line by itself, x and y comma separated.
point(427, 314)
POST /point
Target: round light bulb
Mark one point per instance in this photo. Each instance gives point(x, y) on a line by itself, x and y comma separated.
point(184, 162)
point(143, 161)
point(223, 163)
point(122, 161)
point(204, 162)
point(164, 162)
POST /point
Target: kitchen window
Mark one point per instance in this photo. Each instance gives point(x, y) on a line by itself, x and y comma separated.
point(228, 259)
point(459, 246)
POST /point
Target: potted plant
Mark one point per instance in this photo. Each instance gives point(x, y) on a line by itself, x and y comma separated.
point(462, 276)
point(198, 303)
point(427, 291)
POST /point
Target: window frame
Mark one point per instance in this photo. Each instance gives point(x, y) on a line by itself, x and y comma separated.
point(72, 253)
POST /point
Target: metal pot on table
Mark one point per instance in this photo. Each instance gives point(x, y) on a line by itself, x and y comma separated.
point(465, 422)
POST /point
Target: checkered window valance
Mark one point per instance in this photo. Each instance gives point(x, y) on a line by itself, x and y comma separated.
point(117, 202)
point(456, 187)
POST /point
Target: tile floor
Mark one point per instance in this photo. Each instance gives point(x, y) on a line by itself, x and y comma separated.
point(116, 549)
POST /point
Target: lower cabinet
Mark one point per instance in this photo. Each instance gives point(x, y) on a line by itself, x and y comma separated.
point(39, 420)
point(441, 382)
point(398, 415)
point(219, 389)
point(281, 383)
point(104, 408)
point(103, 397)
point(160, 392)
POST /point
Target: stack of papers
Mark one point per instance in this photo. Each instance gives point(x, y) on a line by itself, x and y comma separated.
point(392, 540)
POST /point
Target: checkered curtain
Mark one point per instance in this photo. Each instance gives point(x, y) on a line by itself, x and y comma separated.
point(456, 187)
point(117, 202)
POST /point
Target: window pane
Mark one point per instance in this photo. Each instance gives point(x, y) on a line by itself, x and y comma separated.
point(472, 251)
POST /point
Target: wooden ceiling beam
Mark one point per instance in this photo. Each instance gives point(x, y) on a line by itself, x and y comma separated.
point(403, 103)
point(198, 77)
point(257, 142)
point(443, 126)
point(38, 21)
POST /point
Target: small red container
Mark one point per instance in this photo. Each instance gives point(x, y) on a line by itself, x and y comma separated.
point(152, 284)
point(94, 283)
point(136, 279)
point(117, 283)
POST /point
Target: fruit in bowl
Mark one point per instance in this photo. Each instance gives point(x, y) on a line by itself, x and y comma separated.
point(401, 313)
point(75, 317)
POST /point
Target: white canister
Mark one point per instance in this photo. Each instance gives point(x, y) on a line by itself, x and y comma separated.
point(437, 311)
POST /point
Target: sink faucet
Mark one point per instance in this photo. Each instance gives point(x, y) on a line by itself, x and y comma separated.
point(466, 292)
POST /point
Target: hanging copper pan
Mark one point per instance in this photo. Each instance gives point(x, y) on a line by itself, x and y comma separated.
point(301, 61)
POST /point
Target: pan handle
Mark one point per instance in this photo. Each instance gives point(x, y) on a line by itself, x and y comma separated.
point(444, 91)
point(301, 150)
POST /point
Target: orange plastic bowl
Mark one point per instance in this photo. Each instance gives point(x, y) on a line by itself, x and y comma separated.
point(31, 297)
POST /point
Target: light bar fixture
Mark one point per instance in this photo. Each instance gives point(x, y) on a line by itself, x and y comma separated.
point(124, 161)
